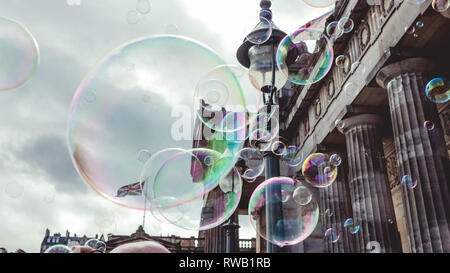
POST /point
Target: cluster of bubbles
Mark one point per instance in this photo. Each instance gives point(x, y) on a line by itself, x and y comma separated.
point(409, 181)
point(300, 212)
point(336, 29)
point(19, 54)
point(143, 7)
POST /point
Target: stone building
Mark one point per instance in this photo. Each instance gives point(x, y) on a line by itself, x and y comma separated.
point(381, 135)
point(57, 239)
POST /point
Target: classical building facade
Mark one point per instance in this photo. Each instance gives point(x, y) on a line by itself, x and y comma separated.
point(68, 240)
point(380, 133)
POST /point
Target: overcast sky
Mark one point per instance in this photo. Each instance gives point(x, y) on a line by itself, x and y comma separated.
point(34, 158)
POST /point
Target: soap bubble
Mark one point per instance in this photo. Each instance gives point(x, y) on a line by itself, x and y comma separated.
point(261, 33)
point(351, 89)
point(339, 123)
point(419, 24)
point(263, 129)
point(332, 235)
point(297, 222)
point(334, 31)
point(254, 163)
point(293, 155)
point(395, 86)
point(278, 148)
point(328, 212)
point(58, 249)
point(410, 30)
point(350, 225)
point(302, 195)
point(438, 90)
point(429, 125)
point(346, 24)
point(341, 60)
point(440, 5)
point(409, 181)
point(356, 65)
point(105, 137)
point(319, 3)
point(308, 55)
point(144, 155)
point(318, 171)
point(96, 244)
point(19, 54)
point(335, 160)
point(143, 6)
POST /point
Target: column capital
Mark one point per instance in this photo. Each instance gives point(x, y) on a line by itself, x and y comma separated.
point(420, 65)
point(364, 119)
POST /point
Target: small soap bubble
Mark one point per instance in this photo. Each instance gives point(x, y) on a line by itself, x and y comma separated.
point(58, 249)
point(429, 125)
point(351, 226)
point(339, 123)
point(332, 235)
point(419, 24)
point(144, 155)
point(335, 160)
point(14, 189)
point(409, 181)
point(438, 90)
point(351, 89)
point(341, 61)
point(143, 6)
point(410, 30)
point(346, 24)
point(440, 5)
point(395, 86)
point(302, 195)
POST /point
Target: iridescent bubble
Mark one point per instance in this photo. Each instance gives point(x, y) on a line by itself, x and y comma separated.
point(144, 155)
point(318, 171)
point(297, 222)
point(341, 60)
point(293, 155)
point(254, 163)
point(14, 189)
point(351, 89)
point(328, 212)
point(335, 160)
point(106, 137)
point(332, 235)
point(278, 148)
point(58, 249)
point(207, 211)
point(438, 90)
point(19, 54)
point(308, 55)
point(319, 3)
point(429, 125)
point(419, 24)
point(143, 6)
point(221, 101)
point(346, 24)
point(350, 225)
point(96, 244)
point(132, 17)
point(395, 86)
point(261, 33)
point(410, 30)
point(409, 181)
point(302, 195)
point(339, 123)
point(334, 31)
point(440, 5)
point(263, 129)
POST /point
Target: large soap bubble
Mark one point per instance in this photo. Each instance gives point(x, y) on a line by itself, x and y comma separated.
point(140, 97)
point(308, 55)
point(295, 223)
point(19, 54)
point(318, 170)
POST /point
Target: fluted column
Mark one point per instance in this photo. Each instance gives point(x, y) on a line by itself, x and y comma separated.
point(422, 154)
point(336, 198)
point(369, 185)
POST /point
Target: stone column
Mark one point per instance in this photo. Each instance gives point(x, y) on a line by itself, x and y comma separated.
point(421, 153)
point(369, 185)
point(336, 199)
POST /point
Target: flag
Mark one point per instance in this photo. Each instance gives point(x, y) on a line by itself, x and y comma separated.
point(131, 189)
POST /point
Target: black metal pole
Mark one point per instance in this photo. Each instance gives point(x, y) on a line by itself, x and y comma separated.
point(231, 227)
